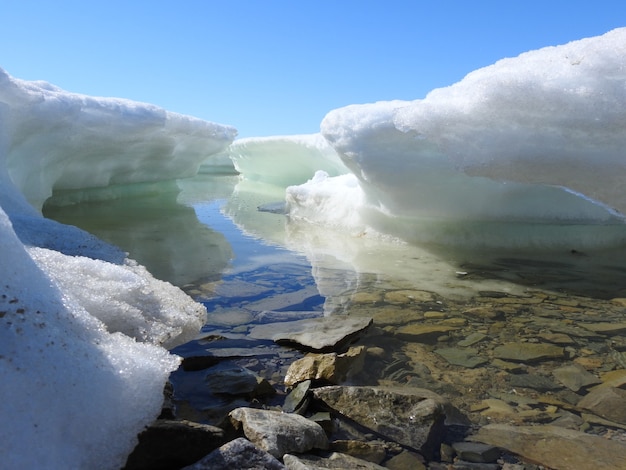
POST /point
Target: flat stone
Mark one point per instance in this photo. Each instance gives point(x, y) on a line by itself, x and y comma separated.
point(400, 297)
point(372, 451)
point(169, 444)
point(413, 417)
point(423, 332)
point(528, 352)
point(614, 378)
point(575, 377)
point(462, 357)
point(484, 313)
point(334, 460)
point(240, 454)
point(297, 397)
point(279, 433)
point(471, 339)
point(556, 338)
point(231, 379)
point(476, 452)
point(534, 381)
point(323, 334)
point(331, 368)
point(607, 402)
point(606, 328)
point(555, 447)
point(406, 460)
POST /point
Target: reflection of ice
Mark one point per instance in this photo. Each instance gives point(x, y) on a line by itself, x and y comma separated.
point(160, 233)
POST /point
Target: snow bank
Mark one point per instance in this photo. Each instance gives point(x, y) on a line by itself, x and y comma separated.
point(535, 140)
point(83, 328)
point(62, 140)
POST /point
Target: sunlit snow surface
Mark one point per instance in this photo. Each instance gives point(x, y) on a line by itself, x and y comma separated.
point(82, 327)
point(537, 139)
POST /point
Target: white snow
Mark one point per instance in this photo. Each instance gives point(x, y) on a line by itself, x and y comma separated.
point(538, 139)
point(83, 329)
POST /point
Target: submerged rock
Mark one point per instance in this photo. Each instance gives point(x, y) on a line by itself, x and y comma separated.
point(528, 352)
point(322, 334)
point(555, 447)
point(606, 402)
point(413, 417)
point(279, 433)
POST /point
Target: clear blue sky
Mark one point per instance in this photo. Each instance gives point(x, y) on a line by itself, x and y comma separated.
point(277, 67)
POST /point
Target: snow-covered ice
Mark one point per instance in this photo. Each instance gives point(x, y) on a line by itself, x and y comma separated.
point(83, 329)
point(536, 139)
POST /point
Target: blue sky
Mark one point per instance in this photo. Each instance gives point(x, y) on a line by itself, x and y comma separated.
point(277, 67)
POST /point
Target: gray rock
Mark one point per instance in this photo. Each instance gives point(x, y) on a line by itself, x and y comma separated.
point(575, 377)
point(462, 357)
point(528, 352)
point(322, 334)
point(534, 381)
point(279, 433)
point(231, 379)
point(607, 402)
point(240, 454)
point(555, 447)
point(297, 397)
point(471, 339)
point(413, 417)
point(334, 460)
point(169, 444)
point(476, 452)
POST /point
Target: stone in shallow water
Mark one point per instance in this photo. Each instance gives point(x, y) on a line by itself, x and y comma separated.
point(462, 357)
point(607, 402)
point(279, 433)
point(575, 377)
point(476, 452)
point(534, 381)
point(528, 352)
point(322, 334)
point(240, 454)
point(555, 447)
point(606, 328)
point(422, 333)
point(413, 417)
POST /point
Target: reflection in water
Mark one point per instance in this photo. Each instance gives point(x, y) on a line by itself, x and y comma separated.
point(155, 229)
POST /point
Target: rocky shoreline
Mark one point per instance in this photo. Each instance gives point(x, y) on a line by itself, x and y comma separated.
point(405, 379)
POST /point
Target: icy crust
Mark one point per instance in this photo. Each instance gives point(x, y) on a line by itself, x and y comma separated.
point(62, 140)
point(533, 139)
point(284, 160)
point(73, 395)
point(83, 329)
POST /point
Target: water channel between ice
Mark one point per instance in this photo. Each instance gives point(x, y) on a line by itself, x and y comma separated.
point(250, 266)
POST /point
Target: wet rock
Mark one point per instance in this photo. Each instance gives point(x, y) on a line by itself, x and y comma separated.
point(607, 402)
point(484, 313)
point(322, 334)
point(471, 339)
point(534, 381)
point(330, 367)
point(240, 454)
point(606, 328)
point(476, 452)
point(297, 397)
point(400, 297)
point(231, 379)
point(555, 447)
point(168, 444)
point(334, 460)
point(528, 352)
point(462, 357)
point(406, 460)
point(372, 451)
point(413, 417)
point(614, 378)
point(279, 433)
point(420, 332)
point(575, 377)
